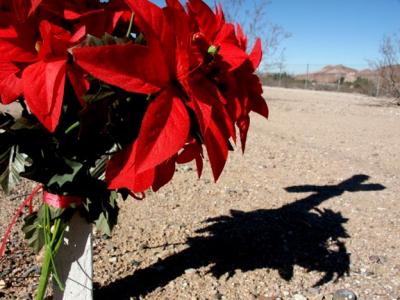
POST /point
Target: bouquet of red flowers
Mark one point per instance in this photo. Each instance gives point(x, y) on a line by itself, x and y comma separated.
point(114, 94)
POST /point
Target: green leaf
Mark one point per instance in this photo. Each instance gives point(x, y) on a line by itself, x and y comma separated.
point(66, 177)
point(108, 216)
point(24, 123)
point(34, 231)
point(55, 212)
point(12, 163)
point(102, 224)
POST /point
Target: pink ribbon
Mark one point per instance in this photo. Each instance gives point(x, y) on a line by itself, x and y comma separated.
point(58, 201)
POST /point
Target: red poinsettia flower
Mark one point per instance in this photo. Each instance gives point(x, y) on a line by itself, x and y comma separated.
point(177, 71)
point(44, 80)
point(241, 87)
point(17, 50)
point(249, 98)
point(214, 32)
point(153, 69)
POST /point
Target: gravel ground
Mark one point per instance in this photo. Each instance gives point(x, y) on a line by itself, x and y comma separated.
point(311, 208)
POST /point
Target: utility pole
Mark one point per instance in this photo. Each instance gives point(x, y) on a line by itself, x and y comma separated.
point(306, 82)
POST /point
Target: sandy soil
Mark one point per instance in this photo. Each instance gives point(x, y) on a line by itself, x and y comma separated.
point(312, 207)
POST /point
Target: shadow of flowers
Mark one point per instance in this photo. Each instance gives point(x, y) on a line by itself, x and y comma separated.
point(298, 233)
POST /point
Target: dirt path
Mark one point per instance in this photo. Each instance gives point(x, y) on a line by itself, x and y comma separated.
point(312, 207)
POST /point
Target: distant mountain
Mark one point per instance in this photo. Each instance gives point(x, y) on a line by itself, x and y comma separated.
point(331, 74)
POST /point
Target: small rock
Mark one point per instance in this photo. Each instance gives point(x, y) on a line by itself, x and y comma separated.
point(135, 263)
point(299, 297)
point(112, 259)
point(33, 269)
point(376, 259)
point(186, 168)
point(344, 295)
point(5, 272)
point(110, 247)
point(3, 284)
point(190, 271)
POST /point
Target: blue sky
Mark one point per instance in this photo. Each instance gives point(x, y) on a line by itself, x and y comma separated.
point(334, 31)
point(331, 31)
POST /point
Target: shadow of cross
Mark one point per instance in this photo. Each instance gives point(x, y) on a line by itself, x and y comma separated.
point(296, 234)
point(325, 192)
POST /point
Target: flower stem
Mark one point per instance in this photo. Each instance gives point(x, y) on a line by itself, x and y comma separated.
point(72, 127)
point(44, 275)
point(128, 33)
point(52, 240)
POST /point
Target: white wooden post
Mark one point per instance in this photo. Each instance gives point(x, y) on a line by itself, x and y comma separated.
point(74, 262)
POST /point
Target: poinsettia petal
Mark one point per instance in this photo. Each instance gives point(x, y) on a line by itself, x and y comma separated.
point(180, 24)
point(142, 181)
point(242, 38)
point(199, 165)
point(131, 67)
point(256, 54)
point(10, 89)
point(164, 130)
point(119, 164)
point(78, 35)
point(78, 82)
point(219, 13)
point(225, 122)
point(121, 173)
point(13, 50)
point(56, 40)
point(203, 97)
point(233, 55)
point(175, 4)
point(72, 14)
point(34, 5)
point(8, 32)
point(43, 85)
point(10, 84)
point(217, 149)
point(192, 151)
point(164, 173)
point(205, 18)
point(227, 35)
point(255, 100)
point(259, 106)
point(243, 125)
point(152, 21)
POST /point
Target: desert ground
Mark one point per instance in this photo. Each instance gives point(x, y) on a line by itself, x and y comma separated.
point(312, 207)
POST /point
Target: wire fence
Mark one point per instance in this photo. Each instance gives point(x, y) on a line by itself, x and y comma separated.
point(352, 79)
